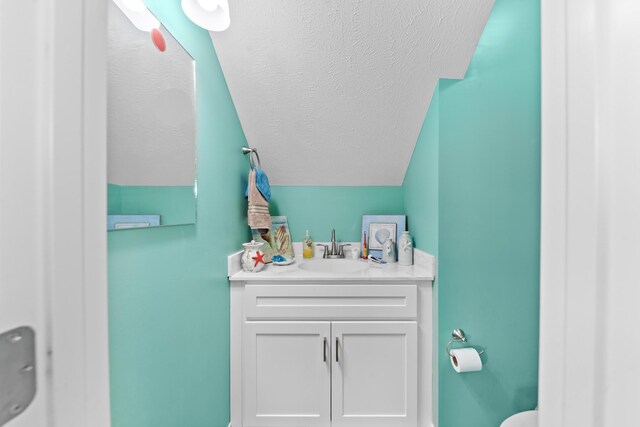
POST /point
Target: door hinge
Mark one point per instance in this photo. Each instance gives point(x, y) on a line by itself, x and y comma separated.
point(17, 372)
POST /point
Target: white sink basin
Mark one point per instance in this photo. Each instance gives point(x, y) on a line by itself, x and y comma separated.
point(334, 266)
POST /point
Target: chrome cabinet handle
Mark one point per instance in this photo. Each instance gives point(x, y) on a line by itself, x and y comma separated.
point(337, 350)
point(324, 350)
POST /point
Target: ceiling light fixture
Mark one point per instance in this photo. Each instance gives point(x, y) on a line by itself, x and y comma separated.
point(212, 15)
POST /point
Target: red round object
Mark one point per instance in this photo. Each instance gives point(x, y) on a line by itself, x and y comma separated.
point(158, 40)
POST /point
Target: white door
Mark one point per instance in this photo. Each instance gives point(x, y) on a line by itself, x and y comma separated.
point(287, 377)
point(52, 191)
point(375, 374)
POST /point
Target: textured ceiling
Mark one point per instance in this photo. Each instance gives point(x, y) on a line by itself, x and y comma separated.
point(334, 92)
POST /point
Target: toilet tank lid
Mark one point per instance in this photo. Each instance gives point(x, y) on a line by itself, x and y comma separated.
point(522, 419)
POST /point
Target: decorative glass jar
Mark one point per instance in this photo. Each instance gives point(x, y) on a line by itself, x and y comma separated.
point(253, 257)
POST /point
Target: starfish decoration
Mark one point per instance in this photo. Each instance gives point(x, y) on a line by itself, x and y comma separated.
point(259, 258)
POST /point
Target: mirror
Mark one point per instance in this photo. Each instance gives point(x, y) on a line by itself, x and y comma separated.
point(151, 127)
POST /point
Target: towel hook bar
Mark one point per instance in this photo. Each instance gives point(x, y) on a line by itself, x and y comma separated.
point(251, 151)
point(458, 337)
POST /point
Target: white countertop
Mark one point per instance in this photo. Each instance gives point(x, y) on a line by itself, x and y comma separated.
point(424, 269)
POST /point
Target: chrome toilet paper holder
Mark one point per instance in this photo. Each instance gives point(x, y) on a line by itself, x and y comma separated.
point(458, 337)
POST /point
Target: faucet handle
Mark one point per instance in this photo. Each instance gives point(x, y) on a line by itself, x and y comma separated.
point(326, 249)
point(341, 250)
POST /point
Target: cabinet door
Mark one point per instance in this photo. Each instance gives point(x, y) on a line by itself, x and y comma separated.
point(375, 374)
point(287, 374)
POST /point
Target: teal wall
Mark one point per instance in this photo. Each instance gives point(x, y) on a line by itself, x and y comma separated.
point(320, 209)
point(421, 189)
point(488, 218)
point(114, 202)
point(168, 291)
point(175, 204)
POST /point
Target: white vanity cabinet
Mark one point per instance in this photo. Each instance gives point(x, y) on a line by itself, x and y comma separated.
point(330, 374)
point(331, 353)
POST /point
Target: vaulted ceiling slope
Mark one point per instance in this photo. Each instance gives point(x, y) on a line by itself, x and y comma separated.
point(334, 92)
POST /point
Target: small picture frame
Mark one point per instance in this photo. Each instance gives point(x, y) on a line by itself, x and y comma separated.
point(379, 232)
point(379, 228)
point(123, 222)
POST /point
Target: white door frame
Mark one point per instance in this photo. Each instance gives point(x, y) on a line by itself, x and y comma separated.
point(72, 116)
point(568, 276)
point(590, 236)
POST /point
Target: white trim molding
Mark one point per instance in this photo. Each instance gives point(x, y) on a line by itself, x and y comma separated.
point(590, 204)
point(94, 193)
point(568, 219)
point(73, 114)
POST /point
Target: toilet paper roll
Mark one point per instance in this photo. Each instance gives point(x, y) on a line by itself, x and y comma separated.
point(465, 360)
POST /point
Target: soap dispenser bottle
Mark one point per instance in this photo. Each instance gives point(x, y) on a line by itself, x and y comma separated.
point(307, 247)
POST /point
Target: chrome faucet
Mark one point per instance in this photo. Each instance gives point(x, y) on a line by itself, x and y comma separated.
point(337, 250)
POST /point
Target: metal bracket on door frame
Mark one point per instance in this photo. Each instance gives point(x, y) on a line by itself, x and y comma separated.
point(17, 372)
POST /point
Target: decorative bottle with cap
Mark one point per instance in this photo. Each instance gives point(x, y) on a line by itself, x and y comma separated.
point(307, 247)
point(405, 249)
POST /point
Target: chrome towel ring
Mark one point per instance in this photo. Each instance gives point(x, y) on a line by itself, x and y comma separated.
point(251, 151)
point(458, 337)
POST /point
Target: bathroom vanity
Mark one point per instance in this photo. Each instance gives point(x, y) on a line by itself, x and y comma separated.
point(332, 343)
